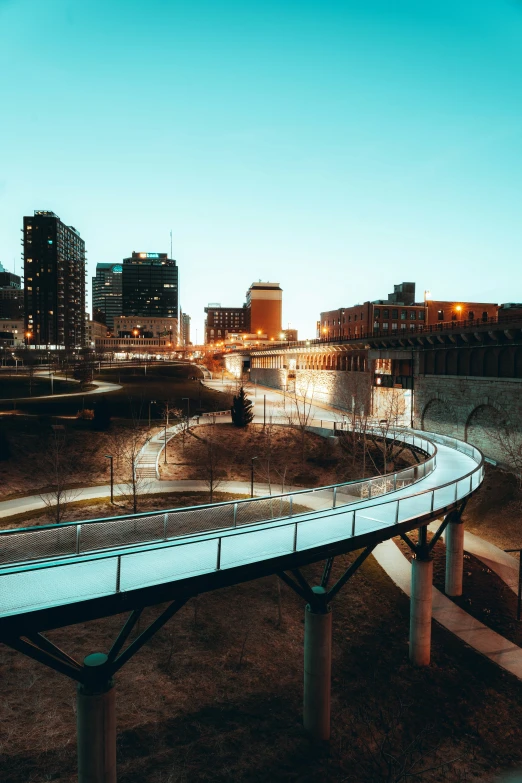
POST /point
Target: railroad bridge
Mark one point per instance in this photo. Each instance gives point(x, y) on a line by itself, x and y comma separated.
point(461, 379)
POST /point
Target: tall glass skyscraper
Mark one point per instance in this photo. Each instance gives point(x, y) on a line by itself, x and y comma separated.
point(107, 293)
point(54, 272)
point(150, 285)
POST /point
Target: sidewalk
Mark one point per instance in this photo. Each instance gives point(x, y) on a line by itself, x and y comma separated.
point(501, 563)
point(10, 508)
point(474, 633)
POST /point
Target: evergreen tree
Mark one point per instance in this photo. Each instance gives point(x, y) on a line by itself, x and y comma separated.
point(242, 413)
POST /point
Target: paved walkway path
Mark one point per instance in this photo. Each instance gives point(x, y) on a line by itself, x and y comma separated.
point(501, 563)
point(269, 404)
point(495, 647)
point(101, 387)
point(9, 508)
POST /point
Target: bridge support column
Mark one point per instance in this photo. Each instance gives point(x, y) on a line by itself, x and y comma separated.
point(96, 721)
point(317, 666)
point(420, 609)
point(454, 540)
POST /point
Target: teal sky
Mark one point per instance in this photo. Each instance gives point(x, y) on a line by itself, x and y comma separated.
point(337, 147)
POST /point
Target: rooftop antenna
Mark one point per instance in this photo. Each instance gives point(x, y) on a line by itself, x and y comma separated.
point(171, 243)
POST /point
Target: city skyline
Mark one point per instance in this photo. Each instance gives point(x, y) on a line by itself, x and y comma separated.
point(308, 148)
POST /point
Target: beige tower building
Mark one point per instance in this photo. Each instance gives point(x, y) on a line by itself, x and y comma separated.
point(265, 302)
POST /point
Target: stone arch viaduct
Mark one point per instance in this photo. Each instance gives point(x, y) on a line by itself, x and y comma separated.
point(463, 380)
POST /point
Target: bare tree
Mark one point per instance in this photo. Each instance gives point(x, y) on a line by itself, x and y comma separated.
point(507, 441)
point(62, 464)
point(299, 413)
point(385, 439)
point(354, 398)
point(211, 459)
point(135, 481)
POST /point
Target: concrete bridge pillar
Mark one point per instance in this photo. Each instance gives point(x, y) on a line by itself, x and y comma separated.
point(454, 540)
point(317, 667)
point(96, 722)
point(420, 610)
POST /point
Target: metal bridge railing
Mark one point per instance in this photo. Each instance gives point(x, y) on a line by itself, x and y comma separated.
point(33, 586)
point(79, 538)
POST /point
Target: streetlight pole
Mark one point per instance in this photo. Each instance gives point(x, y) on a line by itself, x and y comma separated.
point(252, 477)
point(109, 457)
point(165, 445)
point(264, 410)
point(188, 410)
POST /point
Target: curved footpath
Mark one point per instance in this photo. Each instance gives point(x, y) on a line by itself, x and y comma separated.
point(101, 387)
point(477, 635)
point(387, 554)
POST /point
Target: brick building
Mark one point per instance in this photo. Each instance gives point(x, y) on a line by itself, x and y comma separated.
point(439, 311)
point(222, 321)
point(397, 313)
point(265, 302)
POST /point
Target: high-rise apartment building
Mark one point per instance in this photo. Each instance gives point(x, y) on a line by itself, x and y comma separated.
point(54, 272)
point(150, 285)
point(107, 293)
point(265, 303)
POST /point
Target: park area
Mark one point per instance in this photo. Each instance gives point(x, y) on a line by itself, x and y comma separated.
point(216, 695)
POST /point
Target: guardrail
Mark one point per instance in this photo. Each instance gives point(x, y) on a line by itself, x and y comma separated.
point(79, 538)
point(34, 586)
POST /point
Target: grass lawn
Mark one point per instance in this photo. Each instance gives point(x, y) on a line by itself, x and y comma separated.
point(14, 386)
point(160, 382)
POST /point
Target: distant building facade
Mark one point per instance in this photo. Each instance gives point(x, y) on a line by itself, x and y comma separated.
point(107, 293)
point(54, 274)
point(137, 326)
point(12, 332)
point(11, 296)
point(222, 321)
point(397, 313)
point(439, 311)
point(150, 286)
point(95, 331)
point(184, 328)
point(265, 303)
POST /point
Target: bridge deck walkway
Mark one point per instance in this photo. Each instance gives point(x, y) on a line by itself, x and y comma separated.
point(65, 580)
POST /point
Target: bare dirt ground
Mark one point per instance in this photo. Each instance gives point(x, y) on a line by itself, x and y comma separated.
point(216, 696)
point(281, 458)
point(495, 512)
point(29, 469)
point(103, 508)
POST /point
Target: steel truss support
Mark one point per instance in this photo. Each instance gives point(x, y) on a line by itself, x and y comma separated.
point(96, 700)
point(421, 595)
point(318, 642)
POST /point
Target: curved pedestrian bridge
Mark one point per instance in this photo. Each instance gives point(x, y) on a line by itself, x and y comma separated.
point(56, 574)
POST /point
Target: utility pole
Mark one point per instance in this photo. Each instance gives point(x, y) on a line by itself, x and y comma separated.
point(109, 457)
